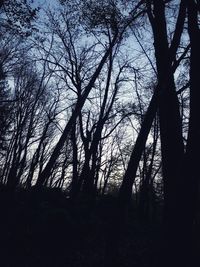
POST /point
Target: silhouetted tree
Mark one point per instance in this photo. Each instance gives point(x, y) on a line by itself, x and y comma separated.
point(129, 177)
point(115, 35)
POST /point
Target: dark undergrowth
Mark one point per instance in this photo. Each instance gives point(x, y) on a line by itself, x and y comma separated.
point(44, 228)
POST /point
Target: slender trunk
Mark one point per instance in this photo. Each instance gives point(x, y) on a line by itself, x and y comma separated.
point(36, 156)
point(145, 201)
point(191, 170)
point(74, 183)
point(125, 191)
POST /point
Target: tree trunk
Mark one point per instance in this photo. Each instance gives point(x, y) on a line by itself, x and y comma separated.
point(125, 191)
point(189, 173)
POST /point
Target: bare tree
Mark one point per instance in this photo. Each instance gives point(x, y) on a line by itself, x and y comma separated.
point(114, 33)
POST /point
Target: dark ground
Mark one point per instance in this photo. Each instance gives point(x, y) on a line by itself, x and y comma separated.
point(44, 229)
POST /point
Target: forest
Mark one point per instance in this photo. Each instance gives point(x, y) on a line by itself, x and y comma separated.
point(99, 133)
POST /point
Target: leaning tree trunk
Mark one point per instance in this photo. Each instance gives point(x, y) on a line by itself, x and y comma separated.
point(56, 152)
point(125, 191)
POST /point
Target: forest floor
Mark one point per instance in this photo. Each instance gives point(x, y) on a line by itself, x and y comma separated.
point(46, 230)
